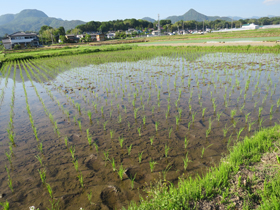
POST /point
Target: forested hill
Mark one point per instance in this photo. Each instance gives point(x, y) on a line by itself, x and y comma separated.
point(32, 20)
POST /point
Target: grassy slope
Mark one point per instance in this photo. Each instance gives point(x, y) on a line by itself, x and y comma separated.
point(222, 35)
point(217, 181)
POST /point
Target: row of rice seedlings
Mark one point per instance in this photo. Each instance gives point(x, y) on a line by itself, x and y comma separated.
point(8, 68)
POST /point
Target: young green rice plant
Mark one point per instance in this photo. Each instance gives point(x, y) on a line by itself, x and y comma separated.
point(170, 131)
point(95, 146)
point(80, 124)
point(132, 181)
point(102, 110)
point(166, 114)
point(81, 180)
point(121, 171)
point(156, 125)
point(225, 130)
point(261, 121)
point(10, 184)
point(135, 113)
point(89, 115)
point(120, 118)
point(203, 111)
point(6, 205)
point(72, 151)
point(165, 171)
point(49, 190)
point(76, 165)
point(39, 159)
point(232, 113)
point(190, 107)
point(166, 149)
point(112, 133)
point(106, 157)
point(152, 140)
point(89, 137)
point(129, 149)
point(89, 196)
point(113, 164)
point(278, 102)
point(208, 131)
point(153, 109)
point(260, 111)
point(246, 117)
point(140, 157)
point(186, 161)
point(239, 132)
point(186, 142)
point(250, 125)
point(193, 116)
point(235, 122)
point(144, 120)
point(139, 131)
point(121, 139)
point(177, 120)
point(152, 165)
point(203, 150)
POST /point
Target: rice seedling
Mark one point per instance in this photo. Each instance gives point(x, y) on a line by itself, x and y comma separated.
point(49, 190)
point(89, 115)
point(239, 132)
point(10, 184)
point(89, 196)
point(152, 165)
point(76, 165)
point(129, 149)
point(203, 111)
point(121, 171)
point(95, 146)
point(246, 117)
point(152, 140)
point(177, 120)
point(135, 113)
point(203, 150)
point(260, 111)
point(121, 141)
point(113, 164)
point(112, 133)
point(132, 181)
point(165, 171)
point(144, 120)
point(140, 157)
point(81, 180)
point(80, 124)
point(193, 116)
point(232, 113)
point(89, 137)
point(106, 157)
point(156, 125)
point(261, 121)
point(6, 205)
point(250, 125)
point(170, 131)
point(166, 149)
point(186, 161)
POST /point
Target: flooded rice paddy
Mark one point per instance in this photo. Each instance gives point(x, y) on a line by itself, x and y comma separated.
point(96, 136)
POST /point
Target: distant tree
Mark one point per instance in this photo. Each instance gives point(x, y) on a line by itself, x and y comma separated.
point(87, 38)
point(63, 39)
point(44, 28)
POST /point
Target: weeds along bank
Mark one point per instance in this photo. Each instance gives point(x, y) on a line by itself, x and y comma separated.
point(226, 186)
point(100, 130)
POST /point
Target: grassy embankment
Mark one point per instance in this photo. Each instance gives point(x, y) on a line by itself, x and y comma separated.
point(221, 35)
point(248, 178)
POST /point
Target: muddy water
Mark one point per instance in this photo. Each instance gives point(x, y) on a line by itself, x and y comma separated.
point(113, 87)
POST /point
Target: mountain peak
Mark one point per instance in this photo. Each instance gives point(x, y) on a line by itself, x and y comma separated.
point(31, 13)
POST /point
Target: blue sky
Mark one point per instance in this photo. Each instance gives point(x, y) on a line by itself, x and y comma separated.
point(88, 10)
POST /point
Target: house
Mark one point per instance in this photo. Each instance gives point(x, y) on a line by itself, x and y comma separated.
point(156, 33)
point(100, 37)
point(20, 38)
point(111, 35)
point(72, 38)
point(250, 26)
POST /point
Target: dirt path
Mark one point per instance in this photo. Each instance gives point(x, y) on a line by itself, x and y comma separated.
point(217, 44)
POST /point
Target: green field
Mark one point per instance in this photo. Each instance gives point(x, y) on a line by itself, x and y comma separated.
point(252, 39)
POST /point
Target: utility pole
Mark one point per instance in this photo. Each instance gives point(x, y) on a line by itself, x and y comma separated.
point(203, 26)
point(158, 26)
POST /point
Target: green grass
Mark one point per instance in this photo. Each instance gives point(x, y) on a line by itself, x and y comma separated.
point(213, 40)
point(60, 52)
point(216, 180)
point(221, 35)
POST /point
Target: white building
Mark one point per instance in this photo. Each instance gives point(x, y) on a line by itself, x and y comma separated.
point(20, 38)
point(111, 35)
point(250, 26)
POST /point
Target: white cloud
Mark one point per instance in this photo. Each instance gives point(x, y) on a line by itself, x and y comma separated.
point(271, 1)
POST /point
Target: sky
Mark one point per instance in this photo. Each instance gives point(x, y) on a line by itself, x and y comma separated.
point(88, 10)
